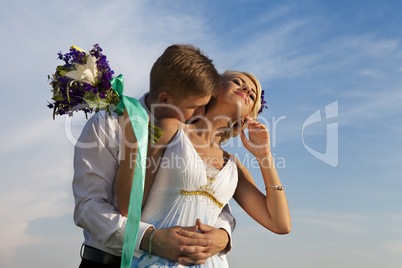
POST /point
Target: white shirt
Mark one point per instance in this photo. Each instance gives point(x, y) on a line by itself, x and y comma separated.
point(96, 160)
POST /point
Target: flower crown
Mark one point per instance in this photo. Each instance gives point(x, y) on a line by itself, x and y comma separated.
point(263, 103)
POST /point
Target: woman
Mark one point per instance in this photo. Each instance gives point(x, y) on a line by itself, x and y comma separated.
point(192, 177)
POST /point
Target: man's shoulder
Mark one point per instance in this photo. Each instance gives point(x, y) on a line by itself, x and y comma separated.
point(103, 117)
point(102, 122)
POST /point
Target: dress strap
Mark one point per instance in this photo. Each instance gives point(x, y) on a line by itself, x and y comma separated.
point(179, 125)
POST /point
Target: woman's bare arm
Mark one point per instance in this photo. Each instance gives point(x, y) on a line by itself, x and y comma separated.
point(125, 172)
point(270, 210)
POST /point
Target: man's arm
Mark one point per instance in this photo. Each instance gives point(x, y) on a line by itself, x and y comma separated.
point(96, 160)
point(226, 222)
point(95, 165)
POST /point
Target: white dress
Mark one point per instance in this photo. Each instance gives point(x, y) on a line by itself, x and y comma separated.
point(184, 189)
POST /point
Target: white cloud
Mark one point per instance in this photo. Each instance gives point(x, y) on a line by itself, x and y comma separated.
point(19, 206)
point(364, 106)
point(273, 52)
point(393, 246)
point(38, 185)
point(348, 223)
point(369, 72)
point(277, 13)
point(28, 134)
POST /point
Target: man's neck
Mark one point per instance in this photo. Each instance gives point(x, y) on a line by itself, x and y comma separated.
point(148, 103)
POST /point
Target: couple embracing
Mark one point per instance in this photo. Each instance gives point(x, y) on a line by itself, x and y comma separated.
point(185, 217)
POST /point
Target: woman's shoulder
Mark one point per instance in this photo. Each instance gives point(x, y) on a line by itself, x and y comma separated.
point(230, 158)
point(229, 155)
point(239, 164)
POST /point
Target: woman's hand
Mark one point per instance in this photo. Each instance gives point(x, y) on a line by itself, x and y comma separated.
point(258, 142)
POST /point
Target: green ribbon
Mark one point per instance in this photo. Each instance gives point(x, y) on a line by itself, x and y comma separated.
point(118, 85)
point(139, 121)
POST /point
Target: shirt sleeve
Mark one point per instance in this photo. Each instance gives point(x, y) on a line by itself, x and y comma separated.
point(227, 222)
point(96, 160)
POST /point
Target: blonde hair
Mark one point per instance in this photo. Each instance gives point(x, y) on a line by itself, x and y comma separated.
point(235, 129)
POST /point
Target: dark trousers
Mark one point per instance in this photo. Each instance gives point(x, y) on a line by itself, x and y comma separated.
point(94, 258)
point(92, 264)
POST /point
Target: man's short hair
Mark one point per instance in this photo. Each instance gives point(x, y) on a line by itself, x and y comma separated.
point(183, 70)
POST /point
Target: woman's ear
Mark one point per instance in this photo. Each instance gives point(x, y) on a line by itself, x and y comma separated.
point(244, 120)
point(237, 124)
point(243, 123)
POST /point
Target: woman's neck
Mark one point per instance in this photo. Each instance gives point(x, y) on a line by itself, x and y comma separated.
point(212, 127)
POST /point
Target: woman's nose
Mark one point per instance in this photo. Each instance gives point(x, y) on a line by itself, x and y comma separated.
point(247, 90)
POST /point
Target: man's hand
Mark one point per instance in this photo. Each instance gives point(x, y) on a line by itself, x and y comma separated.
point(167, 243)
point(185, 244)
point(219, 237)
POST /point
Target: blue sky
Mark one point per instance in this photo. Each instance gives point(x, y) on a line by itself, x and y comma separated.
point(345, 200)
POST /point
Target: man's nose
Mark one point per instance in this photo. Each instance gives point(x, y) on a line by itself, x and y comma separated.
point(200, 111)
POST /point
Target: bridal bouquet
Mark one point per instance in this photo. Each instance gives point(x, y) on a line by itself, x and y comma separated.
point(82, 83)
point(85, 83)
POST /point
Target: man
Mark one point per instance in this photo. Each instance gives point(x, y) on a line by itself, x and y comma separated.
point(182, 81)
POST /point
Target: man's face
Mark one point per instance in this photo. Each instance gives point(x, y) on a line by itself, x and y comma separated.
point(190, 107)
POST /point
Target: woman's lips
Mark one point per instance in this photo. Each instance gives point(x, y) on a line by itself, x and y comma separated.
point(242, 95)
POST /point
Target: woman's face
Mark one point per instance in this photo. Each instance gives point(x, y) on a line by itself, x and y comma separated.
point(239, 89)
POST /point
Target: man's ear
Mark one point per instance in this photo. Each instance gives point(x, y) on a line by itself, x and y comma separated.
point(165, 98)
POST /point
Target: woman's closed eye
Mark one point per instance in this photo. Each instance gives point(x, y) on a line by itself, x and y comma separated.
point(237, 82)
